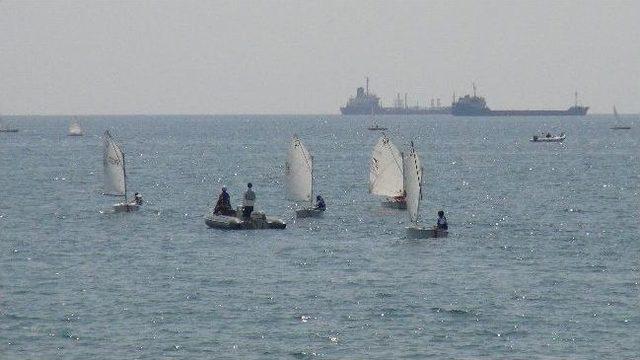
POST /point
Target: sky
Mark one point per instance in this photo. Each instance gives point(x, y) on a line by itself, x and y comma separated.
point(308, 57)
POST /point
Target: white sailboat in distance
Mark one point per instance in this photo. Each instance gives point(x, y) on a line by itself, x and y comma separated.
point(385, 173)
point(115, 175)
point(413, 186)
point(75, 129)
point(618, 125)
point(299, 174)
point(5, 128)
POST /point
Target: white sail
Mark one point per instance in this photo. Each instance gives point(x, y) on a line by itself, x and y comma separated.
point(75, 129)
point(385, 171)
point(114, 173)
point(413, 182)
point(299, 172)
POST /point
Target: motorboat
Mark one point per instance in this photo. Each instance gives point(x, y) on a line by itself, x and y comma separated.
point(548, 138)
point(258, 220)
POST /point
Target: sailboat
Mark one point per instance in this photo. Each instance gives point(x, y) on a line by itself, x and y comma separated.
point(5, 128)
point(385, 173)
point(375, 126)
point(299, 173)
point(619, 126)
point(115, 175)
point(75, 129)
point(412, 176)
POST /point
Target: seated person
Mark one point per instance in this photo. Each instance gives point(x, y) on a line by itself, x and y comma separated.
point(442, 221)
point(137, 199)
point(320, 205)
point(223, 205)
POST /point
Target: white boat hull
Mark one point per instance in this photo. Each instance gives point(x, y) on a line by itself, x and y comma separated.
point(306, 213)
point(124, 207)
point(424, 233)
point(257, 221)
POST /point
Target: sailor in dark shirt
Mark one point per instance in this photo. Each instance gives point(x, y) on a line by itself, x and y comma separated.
point(442, 221)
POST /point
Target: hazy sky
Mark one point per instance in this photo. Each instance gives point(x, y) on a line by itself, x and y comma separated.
point(224, 57)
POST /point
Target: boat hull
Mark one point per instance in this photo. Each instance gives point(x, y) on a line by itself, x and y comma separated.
point(307, 213)
point(123, 207)
point(258, 221)
point(551, 139)
point(424, 233)
point(8, 130)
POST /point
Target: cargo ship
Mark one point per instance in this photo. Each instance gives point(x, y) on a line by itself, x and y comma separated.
point(477, 106)
point(367, 103)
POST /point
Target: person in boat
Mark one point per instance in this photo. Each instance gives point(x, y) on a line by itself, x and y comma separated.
point(548, 135)
point(248, 201)
point(320, 205)
point(137, 199)
point(223, 205)
point(441, 224)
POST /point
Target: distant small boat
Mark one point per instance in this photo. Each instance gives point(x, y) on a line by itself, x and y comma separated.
point(548, 138)
point(376, 127)
point(4, 128)
point(75, 129)
point(299, 173)
point(618, 127)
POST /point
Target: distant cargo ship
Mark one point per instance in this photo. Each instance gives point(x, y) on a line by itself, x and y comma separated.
point(366, 103)
point(477, 106)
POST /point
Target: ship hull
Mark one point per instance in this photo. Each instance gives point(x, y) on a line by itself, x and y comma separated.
point(523, 113)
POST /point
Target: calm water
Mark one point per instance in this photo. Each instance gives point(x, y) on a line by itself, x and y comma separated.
point(542, 260)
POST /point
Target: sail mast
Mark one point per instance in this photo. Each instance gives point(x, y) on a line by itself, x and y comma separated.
point(124, 171)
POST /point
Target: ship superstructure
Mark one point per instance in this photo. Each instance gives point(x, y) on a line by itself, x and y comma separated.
point(367, 103)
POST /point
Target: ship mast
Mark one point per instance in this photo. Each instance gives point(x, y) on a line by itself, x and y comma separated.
point(575, 94)
point(367, 86)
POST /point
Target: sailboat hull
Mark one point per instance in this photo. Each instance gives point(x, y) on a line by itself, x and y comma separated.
point(424, 233)
point(124, 207)
point(307, 213)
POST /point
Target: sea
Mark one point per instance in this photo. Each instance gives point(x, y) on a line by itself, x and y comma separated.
point(542, 259)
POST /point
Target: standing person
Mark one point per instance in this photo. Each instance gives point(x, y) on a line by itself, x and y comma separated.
point(248, 201)
point(442, 221)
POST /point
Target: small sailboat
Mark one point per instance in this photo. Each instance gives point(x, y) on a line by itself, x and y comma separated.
point(115, 175)
point(619, 125)
point(75, 129)
point(299, 173)
point(413, 185)
point(385, 174)
point(4, 128)
point(375, 126)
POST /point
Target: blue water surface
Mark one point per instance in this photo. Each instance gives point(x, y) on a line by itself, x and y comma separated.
point(542, 260)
